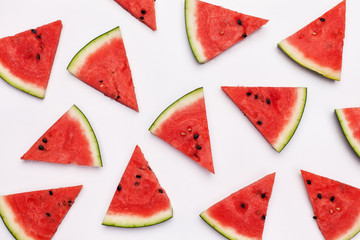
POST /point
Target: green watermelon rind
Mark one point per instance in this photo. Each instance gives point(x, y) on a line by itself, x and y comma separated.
point(18, 83)
point(90, 134)
point(296, 55)
point(133, 221)
point(291, 127)
point(80, 57)
point(347, 131)
point(191, 30)
point(182, 102)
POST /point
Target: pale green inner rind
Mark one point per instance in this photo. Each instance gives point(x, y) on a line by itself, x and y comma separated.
point(132, 221)
point(227, 232)
point(8, 217)
point(191, 30)
point(300, 58)
point(182, 102)
point(20, 84)
point(288, 132)
point(80, 58)
point(355, 144)
point(76, 113)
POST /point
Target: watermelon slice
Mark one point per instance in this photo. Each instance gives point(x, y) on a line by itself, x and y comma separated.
point(212, 29)
point(103, 64)
point(184, 126)
point(349, 119)
point(274, 111)
point(26, 59)
point(336, 206)
point(242, 214)
point(37, 215)
point(143, 10)
point(139, 200)
point(319, 45)
point(70, 140)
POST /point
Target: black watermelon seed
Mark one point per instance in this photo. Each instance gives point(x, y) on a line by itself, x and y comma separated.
point(196, 136)
point(256, 96)
point(239, 22)
point(48, 214)
point(143, 11)
point(319, 196)
point(33, 30)
point(160, 190)
point(141, 18)
point(149, 168)
point(100, 81)
point(268, 101)
point(263, 217)
point(69, 203)
point(119, 188)
point(38, 56)
point(244, 35)
point(332, 198)
point(51, 192)
point(248, 94)
point(117, 97)
point(41, 147)
point(38, 36)
point(259, 122)
point(322, 19)
point(198, 147)
point(308, 182)
point(314, 217)
point(242, 205)
point(263, 195)
point(138, 176)
point(44, 140)
point(136, 183)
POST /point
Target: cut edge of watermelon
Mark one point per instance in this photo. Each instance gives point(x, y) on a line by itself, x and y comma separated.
point(18, 83)
point(347, 131)
point(191, 30)
point(353, 231)
point(133, 221)
point(296, 55)
point(77, 114)
point(225, 231)
point(8, 218)
point(291, 127)
point(80, 57)
point(182, 102)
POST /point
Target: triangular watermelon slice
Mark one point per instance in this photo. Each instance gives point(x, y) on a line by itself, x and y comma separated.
point(103, 65)
point(274, 111)
point(139, 200)
point(336, 206)
point(349, 119)
point(26, 59)
point(212, 29)
point(242, 214)
point(70, 140)
point(319, 45)
point(184, 126)
point(37, 215)
point(143, 10)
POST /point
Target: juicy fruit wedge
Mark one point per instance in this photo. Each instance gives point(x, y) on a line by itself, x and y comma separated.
point(103, 65)
point(212, 29)
point(319, 45)
point(336, 206)
point(184, 126)
point(143, 10)
point(349, 119)
point(139, 200)
point(242, 214)
point(37, 215)
point(70, 140)
point(274, 111)
point(26, 59)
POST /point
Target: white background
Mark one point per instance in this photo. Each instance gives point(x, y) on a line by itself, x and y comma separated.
point(164, 69)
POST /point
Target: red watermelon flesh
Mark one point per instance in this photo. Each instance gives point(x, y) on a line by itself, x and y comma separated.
point(143, 10)
point(139, 200)
point(319, 45)
point(26, 59)
point(36, 215)
point(336, 206)
point(69, 140)
point(103, 64)
point(242, 214)
point(184, 126)
point(212, 29)
point(274, 111)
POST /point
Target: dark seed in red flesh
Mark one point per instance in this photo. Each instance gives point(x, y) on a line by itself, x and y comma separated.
point(239, 22)
point(322, 19)
point(161, 191)
point(33, 30)
point(41, 147)
point(119, 188)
